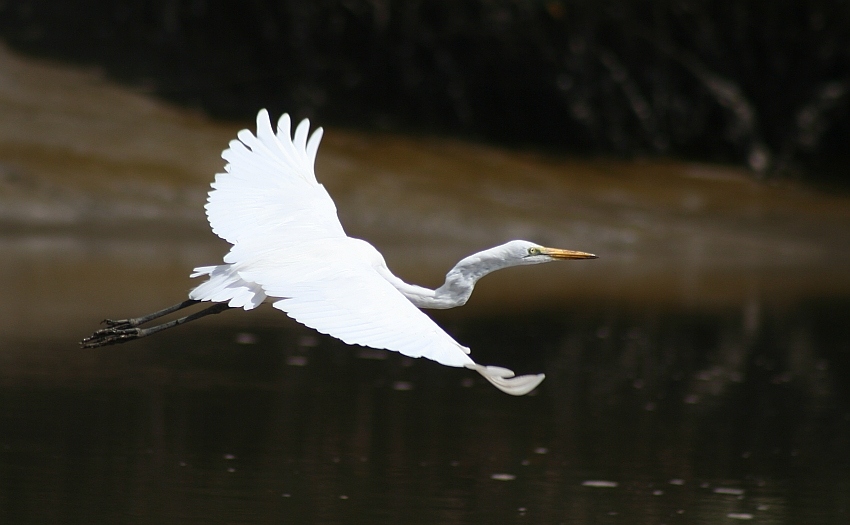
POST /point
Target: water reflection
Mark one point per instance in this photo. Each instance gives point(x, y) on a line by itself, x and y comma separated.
point(643, 418)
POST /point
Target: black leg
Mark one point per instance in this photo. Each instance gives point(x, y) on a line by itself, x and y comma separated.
point(136, 321)
point(126, 329)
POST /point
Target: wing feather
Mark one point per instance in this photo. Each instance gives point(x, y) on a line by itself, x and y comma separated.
point(269, 187)
point(313, 145)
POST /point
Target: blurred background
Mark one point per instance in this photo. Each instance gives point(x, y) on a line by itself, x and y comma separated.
point(760, 84)
point(697, 371)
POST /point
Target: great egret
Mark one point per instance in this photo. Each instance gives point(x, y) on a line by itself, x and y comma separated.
point(289, 248)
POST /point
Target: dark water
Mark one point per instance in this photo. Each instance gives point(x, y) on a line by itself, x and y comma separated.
point(645, 417)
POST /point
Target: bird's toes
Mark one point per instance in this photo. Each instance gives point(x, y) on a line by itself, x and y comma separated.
point(109, 336)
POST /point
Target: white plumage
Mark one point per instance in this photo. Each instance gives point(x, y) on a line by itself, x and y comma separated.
point(289, 248)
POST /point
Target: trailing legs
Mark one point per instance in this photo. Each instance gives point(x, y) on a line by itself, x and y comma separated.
point(123, 330)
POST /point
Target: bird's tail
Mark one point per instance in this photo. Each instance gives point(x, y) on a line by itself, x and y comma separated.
point(226, 285)
point(508, 382)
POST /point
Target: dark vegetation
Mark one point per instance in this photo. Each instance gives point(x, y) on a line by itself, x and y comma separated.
point(763, 83)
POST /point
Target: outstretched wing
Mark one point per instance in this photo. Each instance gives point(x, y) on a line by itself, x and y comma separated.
point(269, 187)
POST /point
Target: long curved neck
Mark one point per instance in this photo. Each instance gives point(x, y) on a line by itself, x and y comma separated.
point(459, 284)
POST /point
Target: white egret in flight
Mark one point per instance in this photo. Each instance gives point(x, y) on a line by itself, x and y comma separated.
point(289, 248)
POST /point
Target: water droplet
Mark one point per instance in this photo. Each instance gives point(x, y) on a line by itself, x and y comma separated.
point(739, 516)
point(728, 490)
point(296, 360)
point(245, 338)
point(598, 483)
point(308, 341)
point(503, 477)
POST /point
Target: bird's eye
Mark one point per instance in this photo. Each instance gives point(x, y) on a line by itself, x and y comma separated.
point(534, 251)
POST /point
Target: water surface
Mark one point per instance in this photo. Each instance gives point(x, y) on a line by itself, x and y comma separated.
point(696, 373)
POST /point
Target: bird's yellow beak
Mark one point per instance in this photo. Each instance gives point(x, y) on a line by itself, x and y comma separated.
point(556, 253)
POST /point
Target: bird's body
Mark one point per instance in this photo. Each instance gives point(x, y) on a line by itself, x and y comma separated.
point(289, 248)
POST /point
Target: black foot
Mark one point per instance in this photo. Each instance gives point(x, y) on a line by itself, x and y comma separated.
point(123, 330)
point(119, 332)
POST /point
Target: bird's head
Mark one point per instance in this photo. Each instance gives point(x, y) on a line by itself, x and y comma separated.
point(524, 252)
